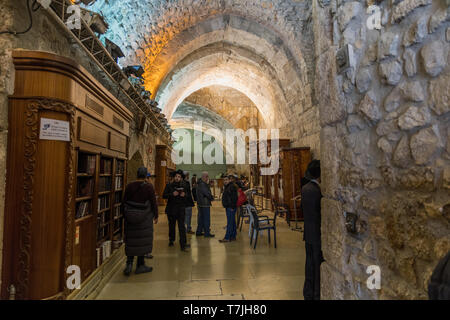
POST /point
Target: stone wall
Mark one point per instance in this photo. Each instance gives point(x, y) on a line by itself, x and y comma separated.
point(385, 145)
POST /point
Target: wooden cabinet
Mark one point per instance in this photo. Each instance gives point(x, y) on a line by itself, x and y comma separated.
point(294, 162)
point(164, 166)
point(66, 164)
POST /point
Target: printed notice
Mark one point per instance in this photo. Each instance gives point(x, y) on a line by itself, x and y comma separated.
point(52, 129)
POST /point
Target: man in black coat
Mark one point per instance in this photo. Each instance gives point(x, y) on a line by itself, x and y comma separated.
point(311, 198)
point(139, 236)
point(176, 195)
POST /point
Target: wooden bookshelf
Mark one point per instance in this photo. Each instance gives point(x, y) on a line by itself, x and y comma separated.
point(57, 185)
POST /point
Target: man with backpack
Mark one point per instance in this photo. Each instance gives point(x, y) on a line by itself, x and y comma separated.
point(176, 195)
point(140, 211)
point(229, 202)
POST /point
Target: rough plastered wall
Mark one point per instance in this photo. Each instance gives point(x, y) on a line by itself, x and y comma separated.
point(385, 145)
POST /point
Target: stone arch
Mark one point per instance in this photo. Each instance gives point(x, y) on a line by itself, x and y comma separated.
point(134, 164)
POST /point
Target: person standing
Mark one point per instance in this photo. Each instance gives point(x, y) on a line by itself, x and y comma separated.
point(189, 204)
point(229, 202)
point(311, 198)
point(175, 193)
point(140, 211)
point(204, 198)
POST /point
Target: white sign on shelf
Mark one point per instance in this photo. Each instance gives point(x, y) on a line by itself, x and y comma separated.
point(52, 129)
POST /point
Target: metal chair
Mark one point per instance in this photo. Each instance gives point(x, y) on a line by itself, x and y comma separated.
point(262, 222)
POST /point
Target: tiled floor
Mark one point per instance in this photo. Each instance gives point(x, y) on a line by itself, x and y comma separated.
point(212, 270)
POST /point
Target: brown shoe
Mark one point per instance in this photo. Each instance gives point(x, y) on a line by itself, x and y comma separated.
point(224, 240)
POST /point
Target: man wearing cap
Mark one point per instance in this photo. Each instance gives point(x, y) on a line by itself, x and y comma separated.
point(311, 198)
point(176, 195)
point(139, 235)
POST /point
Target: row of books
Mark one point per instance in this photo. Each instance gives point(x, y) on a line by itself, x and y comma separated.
point(103, 202)
point(103, 252)
point(105, 166)
point(119, 183)
point(102, 218)
point(86, 164)
point(120, 167)
point(118, 197)
point(104, 184)
point(85, 186)
point(83, 209)
point(102, 233)
point(117, 212)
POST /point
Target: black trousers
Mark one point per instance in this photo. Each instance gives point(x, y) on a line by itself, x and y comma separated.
point(140, 260)
point(177, 216)
point(314, 258)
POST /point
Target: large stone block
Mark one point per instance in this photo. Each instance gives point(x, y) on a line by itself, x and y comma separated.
point(370, 108)
point(347, 12)
point(330, 159)
point(440, 94)
point(414, 117)
point(410, 58)
point(425, 144)
point(412, 91)
point(391, 71)
point(402, 154)
point(433, 58)
point(331, 106)
point(388, 45)
point(333, 233)
point(405, 7)
point(416, 33)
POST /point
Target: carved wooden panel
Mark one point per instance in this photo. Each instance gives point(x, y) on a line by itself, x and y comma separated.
point(118, 143)
point(92, 133)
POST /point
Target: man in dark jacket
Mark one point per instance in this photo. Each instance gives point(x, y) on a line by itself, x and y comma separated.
point(139, 237)
point(176, 195)
point(311, 198)
point(229, 201)
point(204, 198)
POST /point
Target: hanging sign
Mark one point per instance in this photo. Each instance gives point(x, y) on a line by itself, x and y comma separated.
point(52, 129)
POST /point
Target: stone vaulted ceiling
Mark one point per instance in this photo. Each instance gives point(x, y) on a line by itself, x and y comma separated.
point(260, 48)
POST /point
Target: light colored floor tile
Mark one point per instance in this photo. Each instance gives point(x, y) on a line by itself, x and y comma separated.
point(212, 270)
point(139, 291)
point(199, 288)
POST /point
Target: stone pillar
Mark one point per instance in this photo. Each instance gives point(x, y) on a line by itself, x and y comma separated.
point(384, 145)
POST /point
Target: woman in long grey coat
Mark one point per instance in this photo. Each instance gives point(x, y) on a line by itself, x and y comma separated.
point(139, 236)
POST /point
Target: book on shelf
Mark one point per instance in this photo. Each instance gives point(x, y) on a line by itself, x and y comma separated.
point(119, 183)
point(120, 167)
point(103, 202)
point(86, 164)
point(83, 210)
point(85, 186)
point(104, 184)
point(105, 166)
